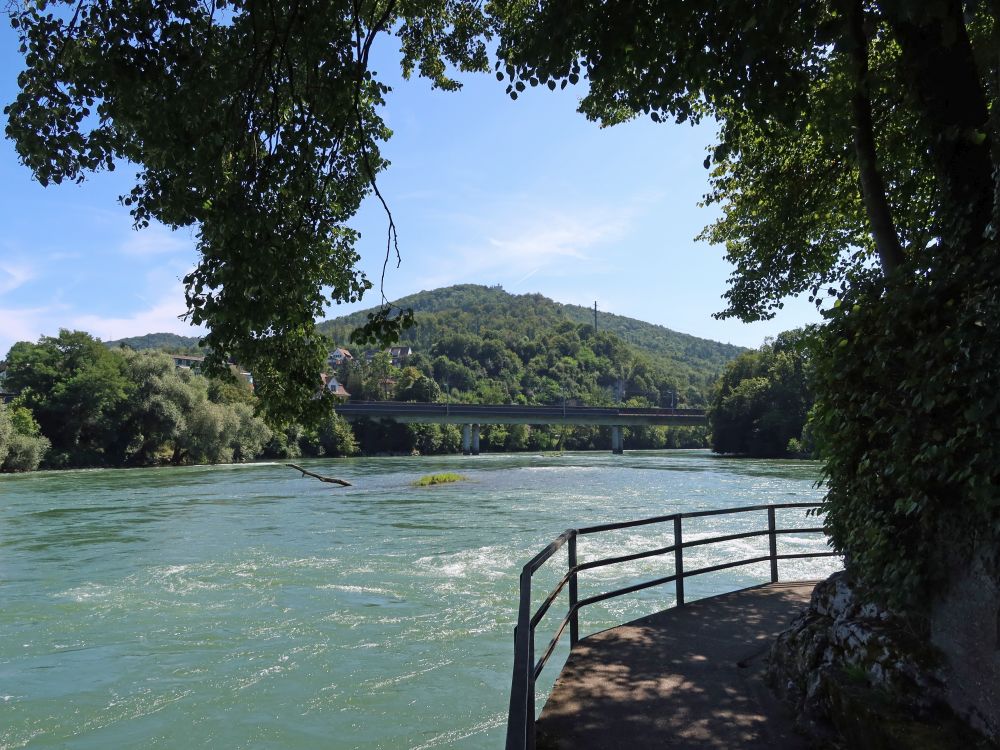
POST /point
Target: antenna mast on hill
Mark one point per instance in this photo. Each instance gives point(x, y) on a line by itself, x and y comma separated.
point(595, 316)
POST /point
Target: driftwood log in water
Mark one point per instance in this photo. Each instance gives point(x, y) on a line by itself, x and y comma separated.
point(306, 472)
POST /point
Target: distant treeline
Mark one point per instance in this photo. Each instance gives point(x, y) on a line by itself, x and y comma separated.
point(87, 405)
point(81, 404)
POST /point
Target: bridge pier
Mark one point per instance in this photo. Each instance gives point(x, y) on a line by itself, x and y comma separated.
point(475, 440)
point(617, 446)
point(466, 439)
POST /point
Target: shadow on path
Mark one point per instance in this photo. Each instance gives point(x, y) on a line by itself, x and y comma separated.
point(687, 677)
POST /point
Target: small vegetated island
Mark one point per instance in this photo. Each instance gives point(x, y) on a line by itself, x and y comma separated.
point(433, 479)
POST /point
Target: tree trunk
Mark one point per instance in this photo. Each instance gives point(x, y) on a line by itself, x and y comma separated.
point(945, 85)
point(873, 194)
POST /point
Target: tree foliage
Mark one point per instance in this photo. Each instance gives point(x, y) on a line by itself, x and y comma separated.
point(909, 417)
point(763, 400)
point(22, 446)
point(480, 345)
point(6, 429)
point(73, 385)
point(117, 407)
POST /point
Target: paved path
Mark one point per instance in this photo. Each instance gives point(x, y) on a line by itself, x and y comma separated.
point(687, 678)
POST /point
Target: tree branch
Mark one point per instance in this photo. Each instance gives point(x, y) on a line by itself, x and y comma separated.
point(873, 192)
point(364, 44)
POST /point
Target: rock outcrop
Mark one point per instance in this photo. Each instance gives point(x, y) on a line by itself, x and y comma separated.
point(859, 678)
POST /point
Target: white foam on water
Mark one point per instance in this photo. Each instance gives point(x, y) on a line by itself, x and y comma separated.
point(310, 563)
point(262, 674)
point(378, 622)
point(143, 702)
point(15, 743)
point(358, 589)
point(88, 592)
point(491, 563)
point(376, 685)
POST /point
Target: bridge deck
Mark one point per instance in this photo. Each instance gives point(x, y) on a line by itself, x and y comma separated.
point(517, 414)
point(686, 678)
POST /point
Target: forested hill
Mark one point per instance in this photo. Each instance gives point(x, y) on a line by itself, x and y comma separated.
point(476, 309)
point(532, 333)
point(168, 342)
point(682, 363)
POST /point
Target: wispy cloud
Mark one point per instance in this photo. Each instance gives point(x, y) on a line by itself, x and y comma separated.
point(156, 240)
point(542, 242)
point(13, 275)
point(525, 277)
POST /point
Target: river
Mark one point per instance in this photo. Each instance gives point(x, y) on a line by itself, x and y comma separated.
point(248, 607)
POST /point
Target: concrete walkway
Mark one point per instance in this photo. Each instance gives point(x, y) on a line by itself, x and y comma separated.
point(686, 678)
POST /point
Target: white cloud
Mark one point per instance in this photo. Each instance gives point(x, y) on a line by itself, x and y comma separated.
point(162, 317)
point(27, 324)
point(31, 323)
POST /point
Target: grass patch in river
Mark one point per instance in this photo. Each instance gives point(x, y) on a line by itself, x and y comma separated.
point(430, 479)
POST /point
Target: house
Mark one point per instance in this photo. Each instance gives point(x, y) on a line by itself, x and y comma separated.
point(188, 362)
point(334, 386)
point(338, 357)
point(398, 354)
point(194, 364)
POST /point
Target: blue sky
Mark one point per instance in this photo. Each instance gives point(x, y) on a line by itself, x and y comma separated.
point(525, 194)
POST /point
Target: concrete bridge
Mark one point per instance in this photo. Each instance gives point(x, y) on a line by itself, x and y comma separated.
point(471, 416)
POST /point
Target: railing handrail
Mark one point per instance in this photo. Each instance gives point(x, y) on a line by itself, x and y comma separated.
point(521, 716)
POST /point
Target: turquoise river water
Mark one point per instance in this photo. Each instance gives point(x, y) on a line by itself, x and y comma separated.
point(248, 607)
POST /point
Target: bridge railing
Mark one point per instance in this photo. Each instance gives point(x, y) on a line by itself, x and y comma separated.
point(435, 407)
point(521, 715)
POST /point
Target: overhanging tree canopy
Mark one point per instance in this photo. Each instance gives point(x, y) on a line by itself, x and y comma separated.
point(253, 121)
point(857, 153)
point(845, 126)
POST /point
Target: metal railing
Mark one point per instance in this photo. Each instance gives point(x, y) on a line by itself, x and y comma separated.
point(521, 717)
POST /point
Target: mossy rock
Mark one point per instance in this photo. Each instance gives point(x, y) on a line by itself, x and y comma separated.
point(872, 719)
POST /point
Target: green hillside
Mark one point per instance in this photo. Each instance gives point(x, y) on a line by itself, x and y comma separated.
point(481, 343)
point(476, 326)
point(482, 307)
